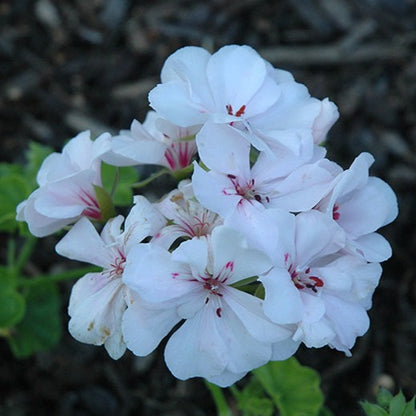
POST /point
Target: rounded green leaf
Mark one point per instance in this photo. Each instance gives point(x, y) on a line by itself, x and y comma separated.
point(13, 190)
point(40, 327)
point(295, 389)
point(12, 308)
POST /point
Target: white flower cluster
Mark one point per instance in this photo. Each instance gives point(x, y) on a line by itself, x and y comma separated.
point(268, 245)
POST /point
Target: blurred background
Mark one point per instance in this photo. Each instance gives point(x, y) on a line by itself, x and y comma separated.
point(71, 65)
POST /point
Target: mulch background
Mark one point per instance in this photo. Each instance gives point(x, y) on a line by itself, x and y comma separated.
point(69, 65)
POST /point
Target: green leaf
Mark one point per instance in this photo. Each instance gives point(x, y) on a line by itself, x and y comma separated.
point(7, 279)
point(252, 400)
point(325, 412)
point(12, 308)
point(384, 397)
point(10, 168)
point(373, 409)
point(389, 405)
point(35, 156)
point(105, 203)
point(123, 195)
point(294, 388)
point(13, 190)
point(409, 409)
point(40, 327)
point(397, 404)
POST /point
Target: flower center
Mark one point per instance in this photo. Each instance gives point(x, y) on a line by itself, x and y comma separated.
point(179, 154)
point(238, 113)
point(246, 191)
point(116, 268)
point(92, 209)
point(214, 284)
point(303, 279)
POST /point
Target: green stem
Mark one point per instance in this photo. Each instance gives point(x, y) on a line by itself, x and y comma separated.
point(116, 182)
point(184, 173)
point(59, 277)
point(24, 254)
point(219, 399)
point(11, 252)
point(152, 177)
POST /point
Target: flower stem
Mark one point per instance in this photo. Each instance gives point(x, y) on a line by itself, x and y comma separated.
point(115, 182)
point(152, 177)
point(24, 255)
point(67, 275)
point(219, 399)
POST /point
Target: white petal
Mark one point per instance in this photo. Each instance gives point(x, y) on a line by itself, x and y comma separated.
point(197, 348)
point(96, 316)
point(313, 307)
point(68, 197)
point(145, 326)
point(80, 150)
point(172, 102)
point(325, 120)
point(40, 225)
point(193, 253)
point(315, 334)
point(229, 69)
point(211, 191)
point(226, 378)
point(208, 344)
point(224, 149)
point(282, 302)
point(230, 250)
point(249, 310)
point(284, 349)
point(374, 247)
point(369, 208)
point(150, 271)
point(83, 243)
point(316, 236)
point(303, 188)
point(349, 321)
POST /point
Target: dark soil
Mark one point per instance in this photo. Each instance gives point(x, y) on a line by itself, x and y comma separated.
point(69, 65)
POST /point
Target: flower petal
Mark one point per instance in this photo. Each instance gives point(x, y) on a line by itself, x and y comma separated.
point(144, 326)
point(83, 243)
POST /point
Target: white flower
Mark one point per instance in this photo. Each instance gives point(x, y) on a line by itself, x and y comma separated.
point(314, 284)
point(361, 205)
point(185, 216)
point(98, 300)
point(236, 85)
point(66, 187)
point(225, 333)
point(231, 185)
point(156, 142)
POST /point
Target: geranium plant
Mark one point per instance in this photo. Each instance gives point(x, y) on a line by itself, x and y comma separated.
point(264, 244)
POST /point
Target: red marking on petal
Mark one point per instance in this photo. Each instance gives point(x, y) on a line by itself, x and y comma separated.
point(335, 214)
point(218, 312)
point(92, 213)
point(175, 275)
